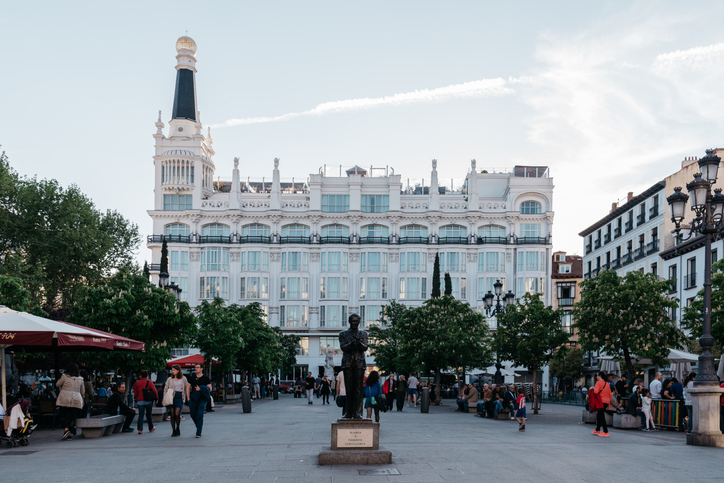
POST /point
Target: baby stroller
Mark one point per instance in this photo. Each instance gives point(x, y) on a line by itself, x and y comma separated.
point(17, 425)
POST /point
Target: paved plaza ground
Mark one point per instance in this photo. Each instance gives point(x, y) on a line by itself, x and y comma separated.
point(279, 442)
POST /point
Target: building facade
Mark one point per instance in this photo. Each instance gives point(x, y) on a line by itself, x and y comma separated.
point(343, 240)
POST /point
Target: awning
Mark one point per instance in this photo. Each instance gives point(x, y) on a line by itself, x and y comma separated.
point(188, 361)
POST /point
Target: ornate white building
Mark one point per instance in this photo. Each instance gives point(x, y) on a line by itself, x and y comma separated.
point(313, 251)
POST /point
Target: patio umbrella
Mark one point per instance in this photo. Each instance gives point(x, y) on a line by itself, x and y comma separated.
point(609, 366)
point(680, 369)
point(720, 372)
point(189, 361)
point(23, 331)
point(677, 356)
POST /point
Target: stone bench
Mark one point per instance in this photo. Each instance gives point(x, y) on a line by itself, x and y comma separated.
point(590, 418)
point(626, 421)
point(98, 426)
point(157, 414)
point(503, 415)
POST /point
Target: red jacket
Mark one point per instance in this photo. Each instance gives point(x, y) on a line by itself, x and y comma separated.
point(140, 385)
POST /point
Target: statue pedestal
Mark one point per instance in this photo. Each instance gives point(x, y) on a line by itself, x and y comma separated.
point(355, 442)
point(705, 426)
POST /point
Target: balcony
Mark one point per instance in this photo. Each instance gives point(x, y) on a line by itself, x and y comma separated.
point(597, 244)
point(595, 271)
point(374, 240)
point(254, 239)
point(305, 240)
point(219, 239)
point(653, 211)
point(640, 253)
point(589, 249)
point(627, 259)
point(640, 219)
point(492, 240)
point(628, 226)
point(607, 238)
point(453, 240)
point(168, 238)
point(566, 302)
point(414, 240)
point(690, 281)
point(587, 275)
point(617, 232)
point(652, 247)
point(326, 240)
point(534, 240)
point(606, 266)
point(616, 264)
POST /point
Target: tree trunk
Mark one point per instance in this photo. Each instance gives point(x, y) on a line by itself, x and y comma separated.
point(437, 387)
point(535, 391)
point(128, 385)
point(629, 363)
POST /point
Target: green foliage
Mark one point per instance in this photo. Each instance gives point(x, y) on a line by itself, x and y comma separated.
point(14, 296)
point(436, 278)
point(386, 341)
point(129, 306)
point(146, 271)
point(265, 349)
point(220, 331)
point(287, 351)
point(164, 257)
point(448, 284)
point(627, 317)
point(693, 316)
point(56, 241)
point(573, 363)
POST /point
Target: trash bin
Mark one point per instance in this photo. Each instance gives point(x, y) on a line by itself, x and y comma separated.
point(275, 392)
point(245, 399)
point(425, 400)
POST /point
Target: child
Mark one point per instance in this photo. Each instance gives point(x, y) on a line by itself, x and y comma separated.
point(520, 413)
point(646, 408)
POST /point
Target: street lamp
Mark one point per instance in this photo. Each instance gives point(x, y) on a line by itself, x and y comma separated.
point(499, 300)
point(163, 279)
point(708, 209)
point(176, 290)
point(163, 283)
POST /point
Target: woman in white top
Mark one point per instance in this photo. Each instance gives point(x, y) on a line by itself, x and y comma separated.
point(689, 403)
point(174, 397)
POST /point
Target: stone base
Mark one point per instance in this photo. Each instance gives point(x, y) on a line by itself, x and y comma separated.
point(715, 440)
point(355, 457)
point(355, 434)
point(503, 416)
point(626, 421)
point(705, 425)
point(588, 417)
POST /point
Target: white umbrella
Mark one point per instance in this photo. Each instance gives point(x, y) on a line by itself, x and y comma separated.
point(677, 356)
point(609, 366)
point(680, 369)
point(720, 372)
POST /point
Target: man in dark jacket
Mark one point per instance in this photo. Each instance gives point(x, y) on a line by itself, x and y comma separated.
point(634, 405)
point(509, 400)
point(115, 406)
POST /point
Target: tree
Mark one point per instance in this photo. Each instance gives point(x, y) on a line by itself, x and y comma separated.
point(448, 284)
point(220, 331)
point(127, 305)
point(386, 341)
point(693, 317)
point(146, 271)
point(627, 317)
point(14, 296)
point(573, 367)
point(436, 278)
point(261, 353)
point(528, 334)
point(287, 351)
point(164, 257)
point(57, 241)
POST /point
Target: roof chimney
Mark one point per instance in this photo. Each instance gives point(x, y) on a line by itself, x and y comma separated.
point(688, 161)
point(630, 196)
point(614, 205)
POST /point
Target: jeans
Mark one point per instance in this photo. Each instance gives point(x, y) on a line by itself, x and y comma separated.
point(643, 416)
point(498, 408)
point(461, 406)
point(481, 408)
point(68, 416)
point(310, 395)
point(145, 407)
point(197, 408)
point(263, 392)
point(690, 414)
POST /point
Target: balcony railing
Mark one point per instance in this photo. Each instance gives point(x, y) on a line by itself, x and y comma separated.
point(690, 280)
point(534, 240)
point(325, 240)
point(374, 240)
point(587, 275)
point(617, 232)
point(169, 238)
point(221, 239)
point(628, 226)
point(597, 244)
point(652, 247)
point(607, 238)
point(416, 240)
point(595, 271)
point(254, 239)
point(453, 240)
point(640, 219)
point(616, 264)
point(653, 211)
point(627, 259)
point(640, 253)
point(606, 266)
point(567, 302)
point(295, 239)
point(486, 240)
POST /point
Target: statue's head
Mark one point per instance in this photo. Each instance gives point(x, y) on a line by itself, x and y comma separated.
point(354, 321)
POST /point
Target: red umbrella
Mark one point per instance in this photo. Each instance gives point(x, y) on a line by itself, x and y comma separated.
point(188, 361)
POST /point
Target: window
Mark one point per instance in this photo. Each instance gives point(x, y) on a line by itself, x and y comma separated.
point(178, 229)
point(329, 344)
point(673, 276)
point(531, 261)
point(375, 203)
point(373, 262)
point(413, 288)
point(295, 261)
point(254, 288)
point(714, 256)
point(564, 269)
point(254, 261)
point(452, 262)
point(179, 260)
point(691, 273)
point(298, 231)
point(334, 261)
point(413, 262)
point(491, 262)
point(567, 322)
point(256, 230)
point(566, 290)
point(333, 287)
point(370, 314)
point(654, 269)
point(453, 231)
point(303, 346)
point(214, 259)
point(531, 285)
point(376, 231)
point(179, 352)
point(183, 283)
point(335, 231)
point(211, 287)
point(332, 316)
point(530, 230)
point(459, 288)
point(373, 288)
point(294, 288)
point(293, 316)
point(215, 230)
point(485, 285)
point(177, 202)
point(413, 231)
point(491, 231)
point(530, 208)
point(335, 203)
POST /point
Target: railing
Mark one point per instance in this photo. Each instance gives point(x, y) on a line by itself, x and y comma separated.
point(597, 244)
point(414, 240)
point(627, 259)
point(169, 238)
point(325, 240)
point(653, 211)
point(595, 271)
point(617, 232)
point(589, 249)
point(640, 252)
point(606, 266)
point(374, 240)
point(587, 275)
point(254, 239)
point(485, 240)
point(667, 413)
point(690, 280)
point(567, 302)
point(606, 238)
point(534, 240)
point(616, 264)
point(640, 219)
point(628, 226)
point(453, 240)
point(296, 239)
point(221, 239)
point(652, 247)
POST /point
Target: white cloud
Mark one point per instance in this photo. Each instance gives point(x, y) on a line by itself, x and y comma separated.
point(478, 88)
point(697, 58)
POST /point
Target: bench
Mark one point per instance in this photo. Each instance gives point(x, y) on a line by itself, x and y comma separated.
point(96, 427)
point(590, 417)
point(626, 421)
point(232, 398)
point(157, 414)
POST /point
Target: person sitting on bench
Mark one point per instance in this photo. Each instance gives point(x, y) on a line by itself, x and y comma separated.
point(115, 406)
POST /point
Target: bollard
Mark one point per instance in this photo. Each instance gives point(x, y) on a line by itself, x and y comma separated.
point(425, 400)
point(275, 393)
point(245, 399)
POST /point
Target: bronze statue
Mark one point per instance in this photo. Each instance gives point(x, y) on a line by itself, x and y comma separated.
point(353, 343)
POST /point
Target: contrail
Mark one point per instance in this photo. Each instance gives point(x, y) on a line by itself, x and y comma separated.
point(479, 88)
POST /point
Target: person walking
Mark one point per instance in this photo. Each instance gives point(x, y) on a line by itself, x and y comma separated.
point(145, 393)
point(311, 386)
point(412, 384)
point(688, 401)
point(324, 390)
point(70, 399)
point(603, 391)
point(198, 391)
point(388, 389)
point(401, 392)
point(255, 381)
point(174, 397)
point(520, 413)
point(373, 389)
point(341, 392)
point(646, 408)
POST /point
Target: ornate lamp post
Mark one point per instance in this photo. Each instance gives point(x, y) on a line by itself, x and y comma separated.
point(163, 283)
point(708, 209)
point(501, 301)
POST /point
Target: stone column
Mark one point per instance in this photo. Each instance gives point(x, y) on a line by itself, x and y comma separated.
point(705, 426)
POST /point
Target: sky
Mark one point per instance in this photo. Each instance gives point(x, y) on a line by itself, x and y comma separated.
point(610, 95)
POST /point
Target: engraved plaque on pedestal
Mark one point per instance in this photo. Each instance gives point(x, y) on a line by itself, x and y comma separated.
point(355, 434)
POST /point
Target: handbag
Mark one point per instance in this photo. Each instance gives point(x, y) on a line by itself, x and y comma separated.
point(168, 396)
point(382, 402)
point(341, 401)
point(148, 395)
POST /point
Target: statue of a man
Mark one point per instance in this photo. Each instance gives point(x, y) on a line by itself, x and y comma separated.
point(353, 343)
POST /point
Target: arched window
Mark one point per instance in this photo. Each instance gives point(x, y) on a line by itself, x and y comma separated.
point(178, 229)
point(335, 231)
point(530, 208)
point(375, 231)
point(255, 230)
point(453, 231)
point(215, 230)
point(295, 231)
point(416, 231)
point(491, 234)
